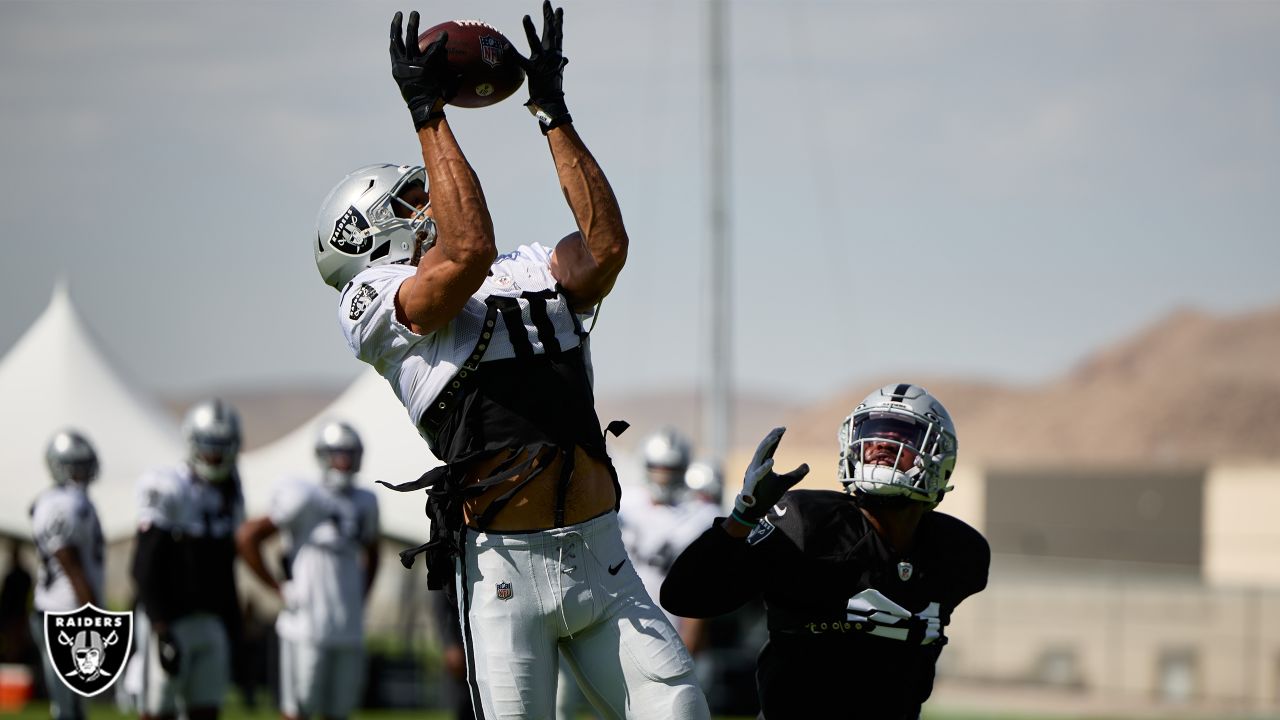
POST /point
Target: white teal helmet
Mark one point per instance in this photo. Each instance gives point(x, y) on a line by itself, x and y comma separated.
point(71, 458)
point(334, 441)
point(705, 479)
point(212, 432)
point(666, 457)
point(357, 226)
point(899, 441)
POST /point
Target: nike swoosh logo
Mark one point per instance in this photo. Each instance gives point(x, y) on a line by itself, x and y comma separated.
point(613, 569)
point(780, 511)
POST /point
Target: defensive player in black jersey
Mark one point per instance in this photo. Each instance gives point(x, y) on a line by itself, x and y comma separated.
point(859, 586)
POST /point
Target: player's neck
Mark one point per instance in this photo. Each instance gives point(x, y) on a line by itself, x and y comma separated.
point(896, 525)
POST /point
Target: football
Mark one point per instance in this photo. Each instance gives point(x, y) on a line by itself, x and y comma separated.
point(484, 59)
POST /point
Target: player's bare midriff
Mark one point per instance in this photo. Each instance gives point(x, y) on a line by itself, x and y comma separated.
point(591, 493)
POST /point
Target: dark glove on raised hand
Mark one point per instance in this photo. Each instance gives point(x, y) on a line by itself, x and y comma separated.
point(424, 76)
point(169, 652)
point(762, 487)
point(545, 69)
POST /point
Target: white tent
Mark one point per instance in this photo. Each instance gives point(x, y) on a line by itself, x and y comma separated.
point(394, 452)
point(54, 377)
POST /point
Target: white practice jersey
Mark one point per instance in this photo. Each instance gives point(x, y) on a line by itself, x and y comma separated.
point(324, 533)
point(172, 498)
point(655, 534)
point(64, 517)
point(419, 366)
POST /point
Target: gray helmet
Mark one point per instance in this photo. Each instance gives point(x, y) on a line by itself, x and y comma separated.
point(705, 479)
point(71, 458)
point(666, 457)
point(212, 432)
point(338, 438)
point(899, 441)
point(357, 226)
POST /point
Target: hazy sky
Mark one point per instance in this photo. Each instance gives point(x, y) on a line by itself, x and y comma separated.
point(978, 189)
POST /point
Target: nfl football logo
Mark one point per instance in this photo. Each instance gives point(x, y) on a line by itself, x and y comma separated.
point(490, 50)
point(904, 571)
point(504, 591)
point(88, 648)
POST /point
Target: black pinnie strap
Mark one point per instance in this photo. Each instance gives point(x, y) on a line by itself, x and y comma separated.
point(454, 390)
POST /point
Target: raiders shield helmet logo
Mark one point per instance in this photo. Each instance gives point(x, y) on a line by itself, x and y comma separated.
point(88, 648)
point(350, 234)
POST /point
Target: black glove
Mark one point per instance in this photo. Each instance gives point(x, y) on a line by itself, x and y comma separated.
point(762, 487)
point(170, 653)
point(545, 69)
point(424, 76)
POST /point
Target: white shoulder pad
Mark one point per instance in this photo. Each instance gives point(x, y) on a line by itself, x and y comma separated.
point(367, 314)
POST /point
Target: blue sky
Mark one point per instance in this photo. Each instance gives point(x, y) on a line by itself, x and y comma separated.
point(980, 189)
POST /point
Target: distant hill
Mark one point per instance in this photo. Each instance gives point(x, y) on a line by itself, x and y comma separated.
point(1193, 388)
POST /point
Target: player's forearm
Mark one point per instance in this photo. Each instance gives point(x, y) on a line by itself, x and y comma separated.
point(249, 537)
point(713, 576)
point(69, 558)
point(370, 566)
point(591, 198)
point(153, 563)
point(464, 228)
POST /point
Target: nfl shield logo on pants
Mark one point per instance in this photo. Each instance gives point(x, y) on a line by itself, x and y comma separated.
point(504, 591)
point(89, 647)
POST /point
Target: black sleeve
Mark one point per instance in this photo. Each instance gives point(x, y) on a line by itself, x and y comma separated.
point(154, 558)
point(715, 575)
point(981, 565)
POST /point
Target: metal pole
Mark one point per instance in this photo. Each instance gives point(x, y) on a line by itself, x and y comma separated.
point(718, 400)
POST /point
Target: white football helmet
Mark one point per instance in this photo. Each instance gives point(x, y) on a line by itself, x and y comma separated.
point(71, 458)
point(357, 226)
point(899, 441)
point(339, 451)
point(706, 480)
point(212, 432)
point(666, 458)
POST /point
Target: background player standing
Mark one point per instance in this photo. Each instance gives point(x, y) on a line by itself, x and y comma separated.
point(69, 541)
point(183, 568)
point(658, 524)
point(489, 355)
point(858, 586)
point(330, 533)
